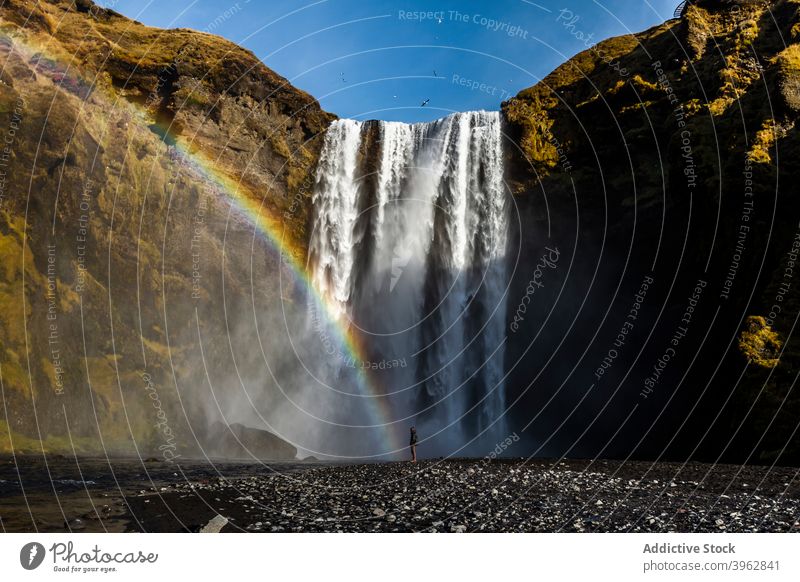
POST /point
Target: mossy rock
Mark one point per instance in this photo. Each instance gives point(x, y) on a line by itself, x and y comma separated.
point(759, 343)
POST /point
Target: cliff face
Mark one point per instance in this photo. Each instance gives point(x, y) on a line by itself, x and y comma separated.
point(666, 162)
point(662, 165)
point(130, 156)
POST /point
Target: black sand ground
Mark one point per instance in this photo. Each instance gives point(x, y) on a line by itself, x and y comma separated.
point(444, 496)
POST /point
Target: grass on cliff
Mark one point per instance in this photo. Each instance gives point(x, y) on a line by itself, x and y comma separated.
point(11, 441)
point(759, 343)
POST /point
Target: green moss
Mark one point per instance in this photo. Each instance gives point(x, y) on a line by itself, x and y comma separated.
point(747, 32)
point(692, 106)
point(11, 441)
point(192, 97)
point(762, 144)
point(536, 128)
point(699, 24)
point(759, 343)
point(14, 376)
point(789, 71)
point(789, 59)
point(643, 86)
point(279, 146)
point(8, 99)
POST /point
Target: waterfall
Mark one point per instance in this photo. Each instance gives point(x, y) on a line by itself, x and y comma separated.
point(410, 229)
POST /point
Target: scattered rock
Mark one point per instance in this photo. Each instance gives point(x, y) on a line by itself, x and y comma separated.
point(215, 525)
point(524, 496)
point(76, 524)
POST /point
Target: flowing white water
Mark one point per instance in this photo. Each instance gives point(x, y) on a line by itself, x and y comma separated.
point(409, 244)
point(337, 210)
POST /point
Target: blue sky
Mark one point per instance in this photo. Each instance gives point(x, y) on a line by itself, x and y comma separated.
point(377, 59)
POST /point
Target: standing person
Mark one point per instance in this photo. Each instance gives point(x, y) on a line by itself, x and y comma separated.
point(413, 445)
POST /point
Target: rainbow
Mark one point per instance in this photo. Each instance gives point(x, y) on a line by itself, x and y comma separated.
point(264, 222)
point(272, 231)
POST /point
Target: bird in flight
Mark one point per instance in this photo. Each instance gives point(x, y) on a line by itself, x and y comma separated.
point(424, 103)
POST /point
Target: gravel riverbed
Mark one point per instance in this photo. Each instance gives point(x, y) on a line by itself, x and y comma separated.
point(473, 495)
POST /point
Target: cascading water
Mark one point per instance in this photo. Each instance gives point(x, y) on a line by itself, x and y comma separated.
point(408, 247)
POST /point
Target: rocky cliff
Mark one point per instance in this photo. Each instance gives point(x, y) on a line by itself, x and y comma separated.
point(131, 156)
point(665, 163)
